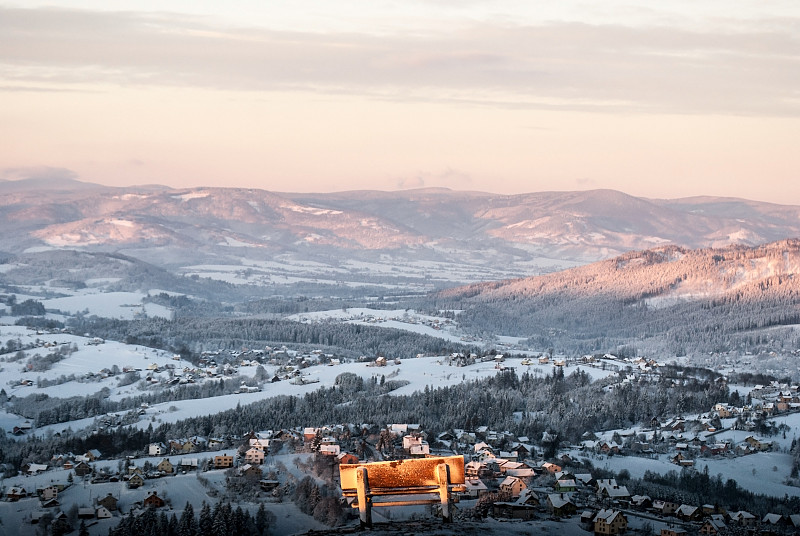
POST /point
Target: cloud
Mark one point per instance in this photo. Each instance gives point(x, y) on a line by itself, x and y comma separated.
point(41, 173)
point(446, 178)
point(747, 70)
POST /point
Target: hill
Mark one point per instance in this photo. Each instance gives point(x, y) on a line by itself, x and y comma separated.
point(669, 299)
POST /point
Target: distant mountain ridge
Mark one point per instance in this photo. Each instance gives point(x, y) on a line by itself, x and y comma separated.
point(437, 236)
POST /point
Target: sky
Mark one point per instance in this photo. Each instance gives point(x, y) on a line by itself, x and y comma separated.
point(656, 99)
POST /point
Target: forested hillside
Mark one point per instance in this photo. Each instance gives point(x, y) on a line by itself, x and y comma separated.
point(190, 336)
point(666, 299)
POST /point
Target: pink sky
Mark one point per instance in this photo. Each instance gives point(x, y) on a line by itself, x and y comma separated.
point(489, 96)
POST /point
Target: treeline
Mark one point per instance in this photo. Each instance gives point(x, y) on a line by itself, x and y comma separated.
point(698, 487)
point(222, 520)
point(195, 335)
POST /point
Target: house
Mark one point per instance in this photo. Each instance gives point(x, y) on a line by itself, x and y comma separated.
point(610, 522)
point(251, 471)
point(50, 492)
point(565, 485)
point(712, 526)
point(33, 468)
point(514, 510)
point(673, 532)
point(687, 512)
point(135, 481)
point(512, 485)
point(50, 503)
point(60, 524)
point(474, 488)
point(475, 469)
point(528, 496)
point(165, 466)
point(16, 493)
point(101, 512)
point(86, 512)
point(223, 462)
point(188, 464)
point(551, 467)
point(259, 443)
point(642, 502)
point(665, 508)
point(157, 449)
point(608, 447)
point(613, 492)
point(82, 469)
point(422, 450)
point(254, 455)
point(329, 450)
point(153, 501)
point(345, 458)
point(757, 444)
point(774, 520)
point(108, 502)
point(521, 472)
point(132, 469)
point(743, 518)
point(92, 455)
point(561, 504)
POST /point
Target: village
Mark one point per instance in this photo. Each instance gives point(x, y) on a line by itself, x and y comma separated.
point(507, 477)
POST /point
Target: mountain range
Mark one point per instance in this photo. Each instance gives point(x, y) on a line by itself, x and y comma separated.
point(413, 239)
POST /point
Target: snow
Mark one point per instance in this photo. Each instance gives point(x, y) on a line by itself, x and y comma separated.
point(190, 196)
point(419, 372)
point(123, 305)
point(753, 472)
point(177, 490)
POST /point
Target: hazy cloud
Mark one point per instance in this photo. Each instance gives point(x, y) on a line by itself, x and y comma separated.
point(39, 173)
point(585, 183)
point(447, 178)
point(748, 70)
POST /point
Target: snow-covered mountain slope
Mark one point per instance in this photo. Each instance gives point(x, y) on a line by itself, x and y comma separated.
point(423, 239)
point(668, 299)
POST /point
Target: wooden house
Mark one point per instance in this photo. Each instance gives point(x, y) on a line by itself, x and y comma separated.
point(610, 522)
point(153, 501)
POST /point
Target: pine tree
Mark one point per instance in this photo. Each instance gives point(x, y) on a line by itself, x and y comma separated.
point(206, 523)
point(262, 522)
point(187, 526)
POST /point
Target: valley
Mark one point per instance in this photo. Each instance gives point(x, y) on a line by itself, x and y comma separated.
point(362, 324)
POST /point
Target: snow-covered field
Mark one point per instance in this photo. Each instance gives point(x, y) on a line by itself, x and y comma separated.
point(764, 472)
point(123, 305)
point(89, 358)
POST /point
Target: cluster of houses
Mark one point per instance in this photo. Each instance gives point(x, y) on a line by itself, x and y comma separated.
point(49, 505)
point(683, 440)
point(506, 470)
point(765, 401)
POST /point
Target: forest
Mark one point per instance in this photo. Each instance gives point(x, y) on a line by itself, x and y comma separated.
point(191, 336)
point(669, 301)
